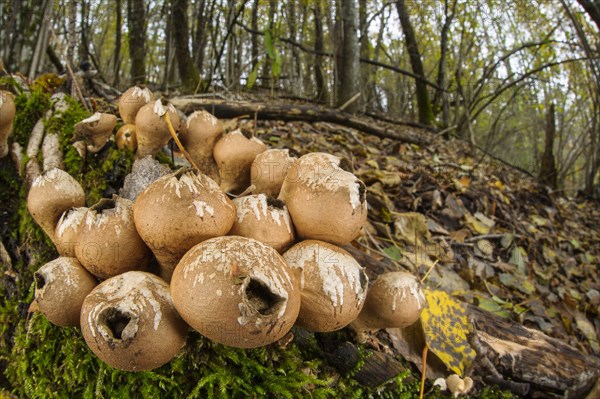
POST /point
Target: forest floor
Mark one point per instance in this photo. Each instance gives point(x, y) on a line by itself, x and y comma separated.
point(485, 233)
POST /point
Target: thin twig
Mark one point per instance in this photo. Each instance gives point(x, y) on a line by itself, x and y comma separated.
point(174, 135)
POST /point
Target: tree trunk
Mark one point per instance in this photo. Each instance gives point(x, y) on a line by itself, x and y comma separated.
point(349, 56)
point(423, 104)
point(548, 174)
point(592, 8)
point(266, 72)
point(365, 70)
point(136, 24)
point(441, 95)
point(199, 44)
point(254, 42)
point(187, 69)
point(117, 53)
point(319, 49)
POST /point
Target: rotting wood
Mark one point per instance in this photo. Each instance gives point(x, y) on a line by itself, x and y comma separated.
point(522, 359)
point(288, 112)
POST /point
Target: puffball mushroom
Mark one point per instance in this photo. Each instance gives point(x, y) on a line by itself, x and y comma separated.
point(126, 137)
point(130, 323)
point(96, 130)
point(60, 288)
point(394, 300)
point(151, 129)
point(7, 115)
point(269, 170)
point(236, 291)
point(458, 386)
point(264, 219)
point(52, 193)
point(109, 243)
point(202, 131)
point(179, 210)
point(333, 285)
point(234, 154)
point(325, 201)
point(68, 230)
point(132, 100)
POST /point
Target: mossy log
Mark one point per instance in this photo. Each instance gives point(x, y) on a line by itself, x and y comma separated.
point(289, 112)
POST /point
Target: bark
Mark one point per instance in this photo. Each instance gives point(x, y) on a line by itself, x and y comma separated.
point(41, 44)
point(266, 72)
point(117, 53)
point(187, 70)
point(200, 38)
point(136, 24)
point(410, 39)
point(592, 8)
point(285, 112)
point(51, 152)
point(254, 43)
point(349, 56)
point(322, 95)
point(548, 173)
point(441, 94)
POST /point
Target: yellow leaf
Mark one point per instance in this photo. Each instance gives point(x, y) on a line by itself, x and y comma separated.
point(445, 324)
point(477, 225)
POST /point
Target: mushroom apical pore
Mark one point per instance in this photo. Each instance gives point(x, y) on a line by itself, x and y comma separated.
point(269, 169)
point(201, 133)
point(68, 230)
point(96, 130)
point(7, 115)
point(126, 137)
point(264, 219)
point(50, 195)
point(151, 129)
point(109, 243)
point(60, 288)
point(234, 154)
point(132, 100)
point(394, 300)
point(129, 322)
point(325, 201)
point(178, 211)
point(236, 291)
point(333, 285)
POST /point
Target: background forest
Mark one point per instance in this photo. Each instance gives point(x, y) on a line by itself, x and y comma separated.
point(518, 79)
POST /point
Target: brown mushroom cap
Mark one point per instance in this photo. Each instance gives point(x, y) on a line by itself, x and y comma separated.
point(109, 243)
point(50, 195)
point(178, 211)
point(129, 322)
point(151, 129)
point(96, 130)
point(333, 285)
point(394, 300)
point(132, 100)
point(325, 201)
point(265, 219)
point(60, 288)
point(126, 137)
point(7, 115)
point(234, 154)
point(236, 291)
point(68, 230)
point(269, 170)
point(201, 133)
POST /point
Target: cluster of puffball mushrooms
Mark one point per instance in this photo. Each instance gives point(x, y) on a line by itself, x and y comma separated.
point(241, 272)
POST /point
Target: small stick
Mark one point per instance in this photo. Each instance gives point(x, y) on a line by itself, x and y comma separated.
point(347, 103)
point(423, 372)
point(174, 135)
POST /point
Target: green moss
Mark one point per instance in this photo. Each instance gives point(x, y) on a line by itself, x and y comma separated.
point(63, 124)
point(29, 111)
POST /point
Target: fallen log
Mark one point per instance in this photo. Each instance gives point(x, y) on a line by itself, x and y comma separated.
point(289, 112)
point(517, 358)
